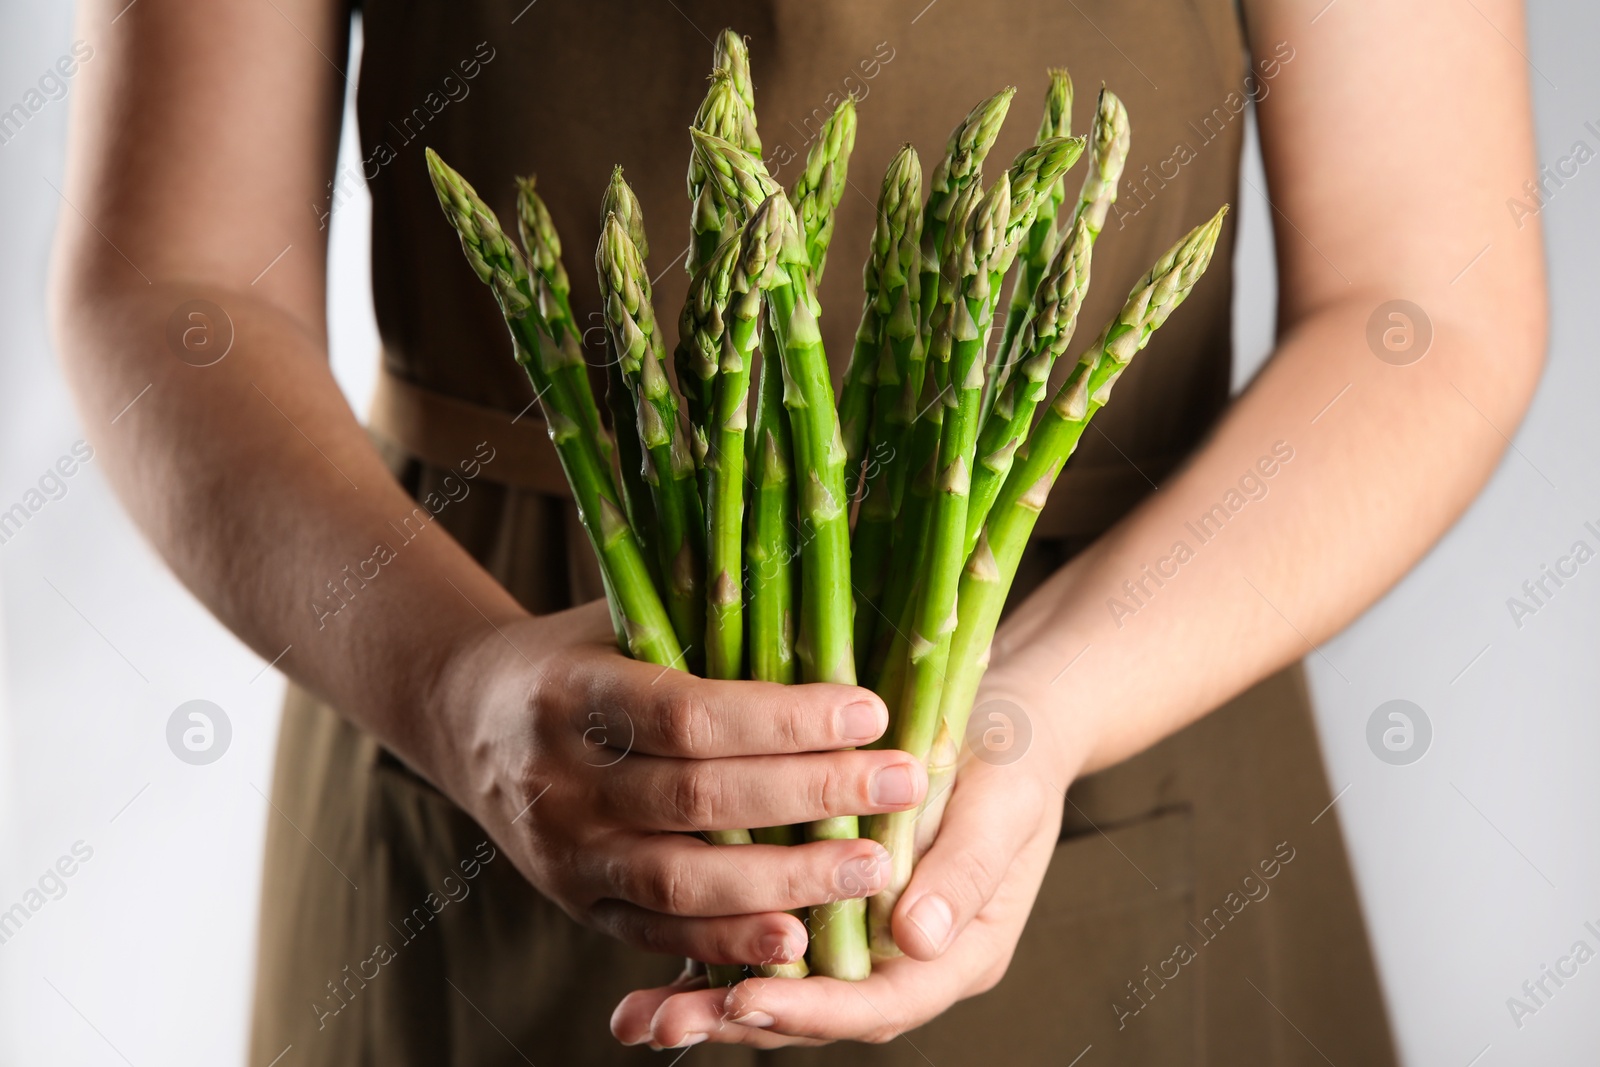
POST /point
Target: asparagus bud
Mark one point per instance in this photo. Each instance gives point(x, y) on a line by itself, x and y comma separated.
point(820, 187)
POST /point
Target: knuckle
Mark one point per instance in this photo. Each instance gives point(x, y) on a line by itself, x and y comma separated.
point(668, 887)
point(698, 797)
point(686, 724)
point(834, 793)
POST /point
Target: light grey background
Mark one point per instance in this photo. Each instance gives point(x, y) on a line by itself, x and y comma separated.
point(1477, 864)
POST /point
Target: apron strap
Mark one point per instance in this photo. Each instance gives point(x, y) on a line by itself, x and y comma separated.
point(442, 430)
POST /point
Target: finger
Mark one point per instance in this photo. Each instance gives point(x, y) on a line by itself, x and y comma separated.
point(975, 851)
point(652, 793)
point(689, 1018)
point(894, 1000)
point(669, 713)
point(766, 937)
point(675, 874)
point(630, 1019)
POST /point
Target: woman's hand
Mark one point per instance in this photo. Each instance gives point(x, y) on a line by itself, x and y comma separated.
point(957, 922)
point(593, 772)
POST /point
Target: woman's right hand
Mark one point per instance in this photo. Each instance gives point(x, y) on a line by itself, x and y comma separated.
point(595, 772)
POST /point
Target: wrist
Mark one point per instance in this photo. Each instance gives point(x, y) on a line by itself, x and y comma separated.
point(465, 687)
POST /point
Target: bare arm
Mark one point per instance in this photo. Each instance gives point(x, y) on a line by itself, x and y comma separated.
point(1391, 143)
point(1376, 199)
point(200, 138)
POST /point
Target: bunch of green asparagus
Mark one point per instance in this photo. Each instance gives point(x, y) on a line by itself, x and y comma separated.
point(723, 522)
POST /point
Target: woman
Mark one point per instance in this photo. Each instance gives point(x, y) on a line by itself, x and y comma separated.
point(465, 862)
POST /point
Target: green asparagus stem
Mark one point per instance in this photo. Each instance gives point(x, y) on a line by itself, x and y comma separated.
point(1109, 139)
point(669, 468)
point(1044, 337)
point(978, 260)
point(726, 114)
point(992, 566)
point(838, 934)
point(1042, 237)
point(520, 295)
point(870, 409)
point(620, 201)
point(820, 187)
point(770, 546)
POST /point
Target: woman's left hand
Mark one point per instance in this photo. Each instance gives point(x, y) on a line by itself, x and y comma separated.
point(957, 922)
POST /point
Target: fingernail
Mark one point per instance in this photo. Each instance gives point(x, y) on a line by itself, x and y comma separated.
point(776, 948)
point(754, 1018)
point(691, 1039)
point(860, 723)
point(893, 786)
point(864, 874)
point(933, 917)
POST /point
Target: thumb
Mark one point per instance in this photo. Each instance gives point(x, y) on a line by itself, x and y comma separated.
point(993, 812)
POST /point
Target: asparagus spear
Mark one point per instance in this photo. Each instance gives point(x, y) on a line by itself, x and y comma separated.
point(1042, 237)
point(820, 187)
point(741, 183)
point(978, 260)
point(838, 935)
point(1044, 337)
point(751, 263)
point(700, 332)
point(770, 546)
point(542, 244)
point(669, 469)
point(992, 565)
point(726, 114)
point(870, 411)
point(620, 201)
point(520, 295)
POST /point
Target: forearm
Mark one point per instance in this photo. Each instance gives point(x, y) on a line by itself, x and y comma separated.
point(1199, 593)
point(253, 479)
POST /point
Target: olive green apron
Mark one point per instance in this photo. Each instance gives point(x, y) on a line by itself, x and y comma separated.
point(1199, 908)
